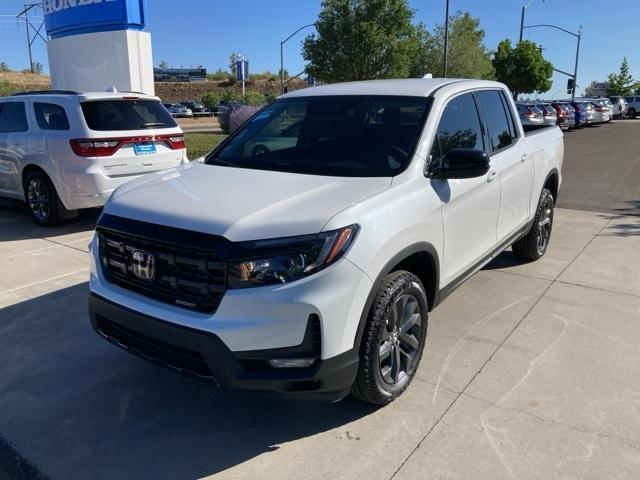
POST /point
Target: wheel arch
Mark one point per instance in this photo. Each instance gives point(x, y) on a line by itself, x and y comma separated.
point(552, 182)
point(420, 259)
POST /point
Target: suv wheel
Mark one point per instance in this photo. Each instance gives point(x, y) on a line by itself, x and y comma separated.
point(42, 199)
point(535, 243)
point(632, 113)
point(393, 339)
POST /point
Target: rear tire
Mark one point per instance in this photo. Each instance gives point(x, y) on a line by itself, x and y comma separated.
point(43, 200)
point(534, 245)
point(393, 339)
point(632, 113)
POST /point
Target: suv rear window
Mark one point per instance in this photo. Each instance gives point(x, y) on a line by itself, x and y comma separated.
point(126, 115)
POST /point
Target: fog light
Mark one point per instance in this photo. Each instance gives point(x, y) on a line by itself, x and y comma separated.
point(291, 362)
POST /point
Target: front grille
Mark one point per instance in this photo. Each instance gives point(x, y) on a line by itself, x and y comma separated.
point(188, 277)
point(182, 359)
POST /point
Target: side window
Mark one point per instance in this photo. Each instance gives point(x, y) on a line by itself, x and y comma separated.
point(459, 127)
point(50, 116)
point(500, 134)
point(13, 117)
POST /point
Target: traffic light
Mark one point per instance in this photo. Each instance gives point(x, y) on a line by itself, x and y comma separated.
point(571, 83)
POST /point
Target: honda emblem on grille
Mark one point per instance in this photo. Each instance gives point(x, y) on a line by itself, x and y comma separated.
point(143, 265)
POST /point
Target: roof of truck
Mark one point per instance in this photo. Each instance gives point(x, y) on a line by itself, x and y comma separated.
point(411, 87)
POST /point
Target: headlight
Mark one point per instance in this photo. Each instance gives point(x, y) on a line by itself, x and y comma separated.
point(289, 259)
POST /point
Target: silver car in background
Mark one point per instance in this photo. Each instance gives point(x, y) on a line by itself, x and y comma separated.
point(549, 114)
point(530, 114)
point(602, 109)
point(619, 106)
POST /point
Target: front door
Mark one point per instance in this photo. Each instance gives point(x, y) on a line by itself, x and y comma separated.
point(469, 206)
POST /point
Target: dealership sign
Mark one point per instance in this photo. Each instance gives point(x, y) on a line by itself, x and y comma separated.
point(73, 17)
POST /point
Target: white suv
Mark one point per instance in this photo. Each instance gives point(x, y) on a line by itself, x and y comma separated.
point(64, 151)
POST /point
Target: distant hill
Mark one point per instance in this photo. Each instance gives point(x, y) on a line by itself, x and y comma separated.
point(167, 91)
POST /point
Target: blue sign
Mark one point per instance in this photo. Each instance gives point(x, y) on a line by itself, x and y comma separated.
point(242, 70)
point(72, 17)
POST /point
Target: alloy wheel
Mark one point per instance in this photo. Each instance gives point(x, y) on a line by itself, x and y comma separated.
point(400, 340)
point(38, 197)
point(544, 226)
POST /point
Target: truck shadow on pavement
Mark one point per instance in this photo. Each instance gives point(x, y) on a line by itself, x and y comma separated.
point(78, 407)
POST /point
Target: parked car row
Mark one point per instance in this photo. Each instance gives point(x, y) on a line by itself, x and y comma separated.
point(193, 109)
point(568, 114)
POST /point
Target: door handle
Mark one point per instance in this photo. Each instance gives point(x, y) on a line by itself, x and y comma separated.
point(524, 157)
point(493, 174)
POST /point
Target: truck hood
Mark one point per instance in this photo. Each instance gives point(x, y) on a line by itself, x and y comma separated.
point(240, 204)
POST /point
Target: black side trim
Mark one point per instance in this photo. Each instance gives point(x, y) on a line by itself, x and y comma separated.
point(454, 284)
point(395, 260)
point(554, 172)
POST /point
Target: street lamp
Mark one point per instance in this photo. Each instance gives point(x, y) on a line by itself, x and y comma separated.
point(578, 36)
point(446, 39)
point(524, 8)
point(282, 54)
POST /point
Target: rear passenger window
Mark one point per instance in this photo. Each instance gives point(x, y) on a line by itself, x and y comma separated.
point(50, 116)
point(459, 127)
point(13, 117)
point(495, 115)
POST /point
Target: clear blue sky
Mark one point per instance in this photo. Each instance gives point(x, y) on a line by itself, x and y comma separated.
point(193, 32)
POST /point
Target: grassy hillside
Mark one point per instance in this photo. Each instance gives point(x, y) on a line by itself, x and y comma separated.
point(168, 91)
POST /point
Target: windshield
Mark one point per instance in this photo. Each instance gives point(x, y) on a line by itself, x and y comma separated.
point(357, 136)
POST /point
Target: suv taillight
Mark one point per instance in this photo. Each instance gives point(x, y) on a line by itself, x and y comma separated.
point(175, 142)
point(94, 148)
point(105, 147)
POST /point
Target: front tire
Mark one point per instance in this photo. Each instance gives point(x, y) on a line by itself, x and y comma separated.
point(393, 339)
point(534, 245)
point(632, 113)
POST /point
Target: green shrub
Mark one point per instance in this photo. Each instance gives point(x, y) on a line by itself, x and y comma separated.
point(253, 97)
point(231, 95)
point(6, 88)
point(211, 99)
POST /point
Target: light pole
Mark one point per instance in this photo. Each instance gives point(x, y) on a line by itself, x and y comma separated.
point(524, 8)
point(578, 36)
point(282, 54)
point(446, 39)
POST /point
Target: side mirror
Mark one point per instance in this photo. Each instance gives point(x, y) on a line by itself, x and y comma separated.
point(461, 163)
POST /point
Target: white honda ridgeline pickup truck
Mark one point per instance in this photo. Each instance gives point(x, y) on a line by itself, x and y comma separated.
point(302, 256)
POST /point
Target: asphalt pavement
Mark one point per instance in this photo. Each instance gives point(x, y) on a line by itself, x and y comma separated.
point(602, 168)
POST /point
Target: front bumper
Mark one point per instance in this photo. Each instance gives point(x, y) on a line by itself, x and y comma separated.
point(204, 355)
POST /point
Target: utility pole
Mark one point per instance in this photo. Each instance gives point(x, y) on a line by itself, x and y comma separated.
point(446, 39)
point(31, 37)
point(575, 70)
point(26, 23)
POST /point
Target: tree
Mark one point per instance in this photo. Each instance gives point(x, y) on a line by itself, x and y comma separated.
point(468, 56)
point(4, 67)
point(622, 83)
point(211, 99)
point(361, 40)
point(523, 68)
point(163, 64)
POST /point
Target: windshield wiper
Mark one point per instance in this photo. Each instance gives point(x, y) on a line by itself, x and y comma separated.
point(152, 124)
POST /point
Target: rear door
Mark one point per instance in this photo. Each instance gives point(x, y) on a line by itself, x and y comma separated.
point(14, 134)
point(509, 154)
point(143, 135)
point(469, 206)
